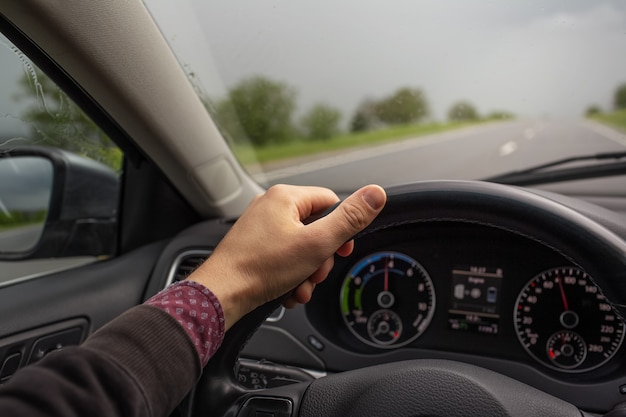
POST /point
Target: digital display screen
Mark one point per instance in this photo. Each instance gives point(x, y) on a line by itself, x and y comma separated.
point(475, 299)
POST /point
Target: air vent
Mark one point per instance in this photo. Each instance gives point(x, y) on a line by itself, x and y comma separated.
point(185, 264)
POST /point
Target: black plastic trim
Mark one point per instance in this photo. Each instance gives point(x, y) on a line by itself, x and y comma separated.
point(559, 175)
point(24, 343)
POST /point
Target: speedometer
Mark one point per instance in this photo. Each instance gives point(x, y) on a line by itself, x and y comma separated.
point(565, 323)
point(387, 299)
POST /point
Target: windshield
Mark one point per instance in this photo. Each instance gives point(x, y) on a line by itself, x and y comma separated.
point(343, 93)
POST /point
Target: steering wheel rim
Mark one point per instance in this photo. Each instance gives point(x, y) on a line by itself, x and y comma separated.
point(513, 209)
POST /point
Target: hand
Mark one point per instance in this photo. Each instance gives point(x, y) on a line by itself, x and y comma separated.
point(269, 251)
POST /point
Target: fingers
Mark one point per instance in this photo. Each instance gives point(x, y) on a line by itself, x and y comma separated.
point(346, 249)
point(335, 230)
point(323, 271)
point(302, 293)
point(354, 214)
point(308, 200)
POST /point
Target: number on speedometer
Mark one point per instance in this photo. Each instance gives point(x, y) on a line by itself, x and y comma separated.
point(565, 323)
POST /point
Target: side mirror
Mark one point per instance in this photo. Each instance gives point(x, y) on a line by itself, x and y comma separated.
point(55, 203)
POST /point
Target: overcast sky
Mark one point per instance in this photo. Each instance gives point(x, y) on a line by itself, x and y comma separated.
point(529, 57)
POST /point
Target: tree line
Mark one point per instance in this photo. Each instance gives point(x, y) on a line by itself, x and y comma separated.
point(619, 102)
point(256, 110)
point(14, 218)
point(262, 111)
point(57, 121)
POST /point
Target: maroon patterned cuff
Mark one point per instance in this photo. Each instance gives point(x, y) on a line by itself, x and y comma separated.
point(200, 313)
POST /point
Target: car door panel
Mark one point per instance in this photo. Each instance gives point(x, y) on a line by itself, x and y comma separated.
point(84, 298)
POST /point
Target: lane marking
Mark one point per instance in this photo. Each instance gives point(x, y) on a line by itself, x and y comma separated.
point(508, 148)
point(372, 152)
point(529, 133)
point(605, 131)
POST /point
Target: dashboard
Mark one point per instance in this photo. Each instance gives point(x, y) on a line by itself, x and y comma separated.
point(515, 283)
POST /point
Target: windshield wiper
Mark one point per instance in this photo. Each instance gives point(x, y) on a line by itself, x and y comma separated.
point(539, 174)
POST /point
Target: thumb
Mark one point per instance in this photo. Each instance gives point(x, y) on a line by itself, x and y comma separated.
point(354, 214)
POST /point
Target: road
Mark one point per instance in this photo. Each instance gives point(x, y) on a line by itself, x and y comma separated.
point(23, 238)
point(470, 153)
point(20, 239)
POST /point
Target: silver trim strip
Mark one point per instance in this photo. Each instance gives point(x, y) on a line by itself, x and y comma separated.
point(194, 252)
point(274, 319)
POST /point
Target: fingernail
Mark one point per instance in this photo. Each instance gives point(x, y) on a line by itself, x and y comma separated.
point(375, 197)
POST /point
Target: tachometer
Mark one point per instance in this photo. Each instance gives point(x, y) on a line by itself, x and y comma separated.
point(387, 299)
point(565, 323)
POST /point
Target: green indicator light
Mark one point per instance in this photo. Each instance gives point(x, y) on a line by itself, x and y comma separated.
point(345, 304)
point(357, 298)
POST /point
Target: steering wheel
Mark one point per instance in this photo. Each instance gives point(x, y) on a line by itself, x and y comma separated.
point(427, 387)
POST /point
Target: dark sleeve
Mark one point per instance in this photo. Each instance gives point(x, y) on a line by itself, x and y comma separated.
point(141, 364)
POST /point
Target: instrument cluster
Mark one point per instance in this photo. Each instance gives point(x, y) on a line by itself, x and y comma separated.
point(471, 289)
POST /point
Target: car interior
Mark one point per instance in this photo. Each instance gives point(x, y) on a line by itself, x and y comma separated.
point(501, 293)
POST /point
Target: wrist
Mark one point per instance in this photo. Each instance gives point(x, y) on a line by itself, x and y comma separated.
point(234, 296)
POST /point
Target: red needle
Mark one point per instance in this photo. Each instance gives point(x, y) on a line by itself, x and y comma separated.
point(386, 284)
point(563, 294)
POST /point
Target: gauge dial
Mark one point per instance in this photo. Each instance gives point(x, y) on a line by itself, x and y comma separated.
point(384, 327)
point(387, 299)
point(566, 349)
point(565, 323)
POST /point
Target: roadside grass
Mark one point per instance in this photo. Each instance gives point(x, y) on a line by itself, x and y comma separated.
point(4, 227)
point(616, 119)
point(15, 218)
point(248, 155)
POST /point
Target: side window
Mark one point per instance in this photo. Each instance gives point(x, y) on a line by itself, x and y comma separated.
point(59, 176)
